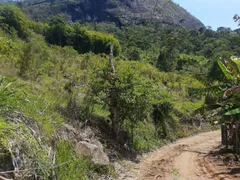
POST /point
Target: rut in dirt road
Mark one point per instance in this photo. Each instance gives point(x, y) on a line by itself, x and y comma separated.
point(180, 160)
point(183, 160)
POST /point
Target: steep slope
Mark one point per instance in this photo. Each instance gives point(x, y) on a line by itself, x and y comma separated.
point(122, 12)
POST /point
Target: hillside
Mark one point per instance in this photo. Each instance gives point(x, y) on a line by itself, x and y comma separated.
point(122, 12)
point(64, 90)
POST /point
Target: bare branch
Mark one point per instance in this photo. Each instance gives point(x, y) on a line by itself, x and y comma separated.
point(111, 60)
point(3, 178)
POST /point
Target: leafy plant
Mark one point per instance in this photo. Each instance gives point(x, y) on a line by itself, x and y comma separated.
point(69, 165)
point(10, 97)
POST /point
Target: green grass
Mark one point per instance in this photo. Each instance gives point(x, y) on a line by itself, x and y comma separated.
point(70, 166)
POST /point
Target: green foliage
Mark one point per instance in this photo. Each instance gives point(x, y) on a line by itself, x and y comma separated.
point(175, 49)
point(227, 94)
point(215, 72)
point(160, 113)
point(231, 69)
point(69, 165)
point(15, 96)
point(226, 72)
point(60, 33)
point(4, 129)
point(142, 97)
point(10, 97)
point(100, 42)
point(167, 57)
point(80, 38)
point(6, 47)
point(132, 96)
point(52, 83)
point(18, 137)
point(35, 60)
point(233, 112)
point(12, 18)
point(13, 21)
point(144, 137)
point(197, 66)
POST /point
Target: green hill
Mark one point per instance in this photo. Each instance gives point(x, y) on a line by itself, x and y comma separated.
point(61, 87)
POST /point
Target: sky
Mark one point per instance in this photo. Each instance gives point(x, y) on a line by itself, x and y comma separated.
point(214, 13)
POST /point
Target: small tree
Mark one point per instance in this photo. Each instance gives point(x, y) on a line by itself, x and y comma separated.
point(167, 59)
point(125, 94)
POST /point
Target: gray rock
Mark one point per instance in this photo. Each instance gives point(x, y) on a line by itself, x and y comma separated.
point(93, 151)
point(122, 12)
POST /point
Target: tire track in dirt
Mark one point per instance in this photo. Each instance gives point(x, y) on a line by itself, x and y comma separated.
point(180, 160)
point(190, 158)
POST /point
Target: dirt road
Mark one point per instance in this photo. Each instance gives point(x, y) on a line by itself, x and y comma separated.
point(183, 160)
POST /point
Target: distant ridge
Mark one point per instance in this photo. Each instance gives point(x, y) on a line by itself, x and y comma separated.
point(122, 12)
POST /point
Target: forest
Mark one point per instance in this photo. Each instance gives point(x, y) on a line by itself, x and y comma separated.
point(138, 87)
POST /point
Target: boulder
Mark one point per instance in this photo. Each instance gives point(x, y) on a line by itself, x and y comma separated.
point(121, 12)
point(93, 151)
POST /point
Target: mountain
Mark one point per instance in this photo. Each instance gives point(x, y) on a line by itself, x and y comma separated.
point(122, 12)
point(237, 30)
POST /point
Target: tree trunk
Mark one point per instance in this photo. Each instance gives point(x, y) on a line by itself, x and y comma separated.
point(132, 130)
point(226, 137)
point(237, 138)
point(114, 107)
point(111, 61)
point(223, 133)
point(114, 116)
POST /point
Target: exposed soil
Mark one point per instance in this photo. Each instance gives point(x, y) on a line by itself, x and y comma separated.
point(225, 164)
point(193, 158)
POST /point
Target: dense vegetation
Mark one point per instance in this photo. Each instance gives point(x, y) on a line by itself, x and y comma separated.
point(56, 73)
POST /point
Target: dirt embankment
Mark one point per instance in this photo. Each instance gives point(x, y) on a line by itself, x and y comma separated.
point(188, 159)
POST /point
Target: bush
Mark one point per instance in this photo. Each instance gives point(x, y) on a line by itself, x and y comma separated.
point(81, 39)
point(12, 18)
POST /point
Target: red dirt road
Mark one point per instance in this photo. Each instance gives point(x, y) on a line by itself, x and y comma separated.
point(190, 158)
point(182, 160)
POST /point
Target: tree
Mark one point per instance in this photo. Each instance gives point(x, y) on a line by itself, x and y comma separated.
point(11, 18)
point(227, 99)
point(160, 113)
point(126, 95)
point(168, 53)
point(83, 40)
point(60, 32)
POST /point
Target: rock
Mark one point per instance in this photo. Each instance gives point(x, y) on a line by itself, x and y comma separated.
point(6, 162)
point(95, 152)
point(121, 12)
point(74, 133)
point(118, 167)
point(67, 132)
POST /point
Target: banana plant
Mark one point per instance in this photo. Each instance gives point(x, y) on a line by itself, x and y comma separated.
point(224, 98)
point(231, 96)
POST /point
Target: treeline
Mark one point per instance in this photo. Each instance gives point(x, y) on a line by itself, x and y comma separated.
point(64, 34)
point(176, 49)
point(57, 32)
point(168, 48)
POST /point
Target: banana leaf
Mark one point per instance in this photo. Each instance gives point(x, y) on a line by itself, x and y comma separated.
point(232, 112)
point(226, 71)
